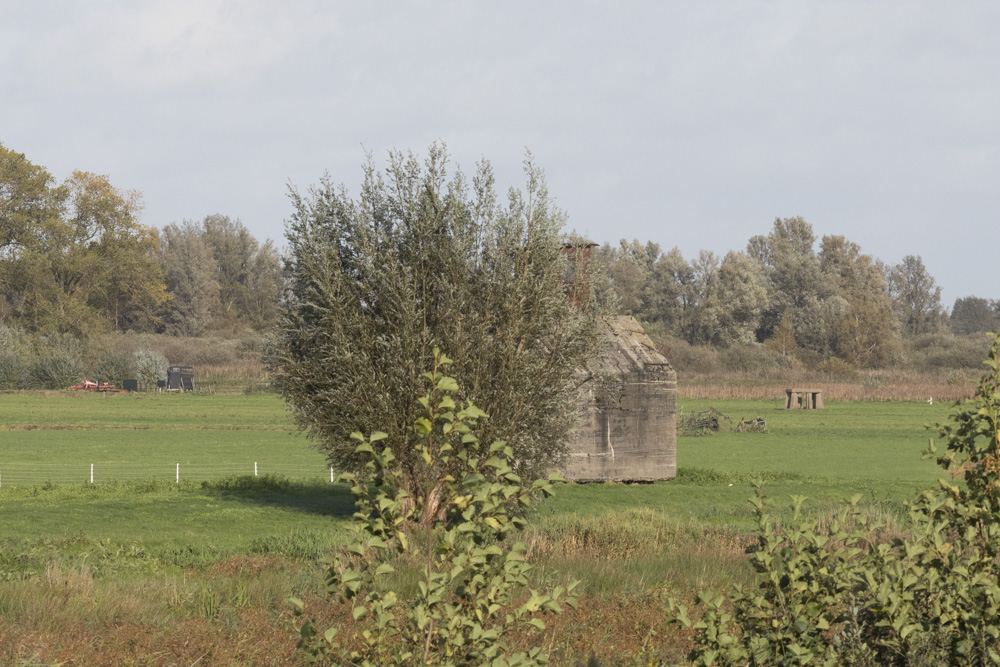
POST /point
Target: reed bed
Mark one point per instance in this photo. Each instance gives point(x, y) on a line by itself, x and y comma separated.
point(895, 385)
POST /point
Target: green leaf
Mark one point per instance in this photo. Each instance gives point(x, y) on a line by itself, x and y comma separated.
point(447, 384)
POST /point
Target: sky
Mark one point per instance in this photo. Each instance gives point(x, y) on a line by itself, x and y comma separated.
point(691, 124)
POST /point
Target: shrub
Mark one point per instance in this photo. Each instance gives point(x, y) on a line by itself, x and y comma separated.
point(685, 357)
point(15, 369)
point(835, 368)
point(150, 365)
point(115, 368)
point(14, 339)
point(57, 370)
point(941, 351)
point(832, 594)
point(451, 531)
point(755, 358)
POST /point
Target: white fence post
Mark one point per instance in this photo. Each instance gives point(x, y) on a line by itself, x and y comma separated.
point(20, 474)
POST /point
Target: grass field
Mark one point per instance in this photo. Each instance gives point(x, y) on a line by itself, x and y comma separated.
point(155, 572)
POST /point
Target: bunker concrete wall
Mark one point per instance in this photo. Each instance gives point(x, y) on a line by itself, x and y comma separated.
point(627, 432)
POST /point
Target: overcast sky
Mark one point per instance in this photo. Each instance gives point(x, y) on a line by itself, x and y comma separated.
point(692, 124)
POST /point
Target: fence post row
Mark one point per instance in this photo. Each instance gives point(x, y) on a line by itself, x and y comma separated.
point(41, 473)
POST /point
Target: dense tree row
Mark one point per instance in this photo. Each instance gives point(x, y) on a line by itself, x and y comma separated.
point(218, 276)
point(75, 258)
point(781, 291)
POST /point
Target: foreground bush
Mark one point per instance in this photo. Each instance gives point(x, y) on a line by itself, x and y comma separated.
point(471, 586)
point(834, 595)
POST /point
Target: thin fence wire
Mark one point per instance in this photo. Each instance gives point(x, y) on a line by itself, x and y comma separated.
point(36, 474)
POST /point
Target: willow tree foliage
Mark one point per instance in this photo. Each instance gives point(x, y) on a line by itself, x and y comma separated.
point(423, 259)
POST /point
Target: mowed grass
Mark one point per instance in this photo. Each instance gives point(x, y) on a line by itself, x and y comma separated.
point(57, 436)
point(830, 455)
point(217, 510)
point(878, 441)
point(827, 455)
point(79, 562)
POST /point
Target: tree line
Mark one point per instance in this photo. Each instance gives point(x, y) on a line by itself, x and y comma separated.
point(76, 259)
point(834, 302)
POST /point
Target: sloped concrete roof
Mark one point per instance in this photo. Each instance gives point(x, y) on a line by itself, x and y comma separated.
point(629, 349)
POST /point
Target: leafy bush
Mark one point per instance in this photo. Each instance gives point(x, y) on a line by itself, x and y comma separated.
point(690, 358)
point(451, 532)
point(834, 594)
point(115, 368)
point(755, 358)
point(15, 369)
point(57, 370)
point(14, 339)
point(150, 366)
point(835, 368)
point(941, 351)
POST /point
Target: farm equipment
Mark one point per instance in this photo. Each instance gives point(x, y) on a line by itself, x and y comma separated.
point(105, 386)
point(704, 422)
point(755, 425)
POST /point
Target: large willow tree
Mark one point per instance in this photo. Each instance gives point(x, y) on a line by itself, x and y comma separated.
point(424, 259)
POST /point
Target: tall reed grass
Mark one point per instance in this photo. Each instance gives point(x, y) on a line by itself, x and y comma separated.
point(890, 385)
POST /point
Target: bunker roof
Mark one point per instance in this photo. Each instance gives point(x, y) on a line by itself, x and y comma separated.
point(629, 349)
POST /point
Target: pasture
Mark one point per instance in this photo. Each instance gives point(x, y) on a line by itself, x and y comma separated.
point(143, 570)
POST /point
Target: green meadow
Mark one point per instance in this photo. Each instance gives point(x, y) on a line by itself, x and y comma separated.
point(220, 531)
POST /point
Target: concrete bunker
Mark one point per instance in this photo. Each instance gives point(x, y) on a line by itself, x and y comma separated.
point(626, 429)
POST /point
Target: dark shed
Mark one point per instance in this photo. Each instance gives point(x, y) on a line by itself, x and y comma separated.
point(180, 378)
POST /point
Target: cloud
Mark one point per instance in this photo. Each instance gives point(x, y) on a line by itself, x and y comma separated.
point(175, 47)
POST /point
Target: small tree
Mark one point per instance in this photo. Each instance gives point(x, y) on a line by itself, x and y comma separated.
point(379, 281)
point(452, 530)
